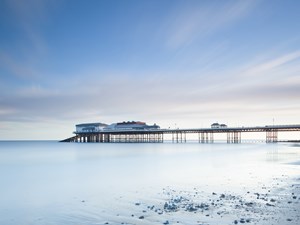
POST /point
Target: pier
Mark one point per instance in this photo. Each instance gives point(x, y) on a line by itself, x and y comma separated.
point(205, 135)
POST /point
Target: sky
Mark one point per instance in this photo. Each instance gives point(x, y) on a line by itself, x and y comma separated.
point(177, 63)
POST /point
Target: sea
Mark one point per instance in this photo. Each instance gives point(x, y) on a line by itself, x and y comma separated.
point(53, 183)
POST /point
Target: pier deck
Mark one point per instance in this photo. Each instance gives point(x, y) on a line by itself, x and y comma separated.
point(205, 135)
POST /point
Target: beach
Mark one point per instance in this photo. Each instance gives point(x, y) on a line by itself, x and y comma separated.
point(166, 183)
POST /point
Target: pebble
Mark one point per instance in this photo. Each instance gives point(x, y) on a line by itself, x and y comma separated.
point(186, 201)
point(249, 204)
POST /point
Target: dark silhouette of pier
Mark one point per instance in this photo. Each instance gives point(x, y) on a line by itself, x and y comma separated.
point(205, 135)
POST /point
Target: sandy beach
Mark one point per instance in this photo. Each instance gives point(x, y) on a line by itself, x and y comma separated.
point(91, 184)
point(276, 203)
point(252, 199)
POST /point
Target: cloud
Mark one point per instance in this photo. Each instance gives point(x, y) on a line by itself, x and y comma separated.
point(193, 22)
point(93, 99)
point(92, 96)
point(89, 98)
point(37, 91)
point(272, 64)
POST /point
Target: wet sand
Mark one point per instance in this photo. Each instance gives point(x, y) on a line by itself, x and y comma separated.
point(274, 203)
point(91, 184)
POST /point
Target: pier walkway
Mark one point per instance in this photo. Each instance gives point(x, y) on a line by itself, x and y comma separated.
point(205, 135)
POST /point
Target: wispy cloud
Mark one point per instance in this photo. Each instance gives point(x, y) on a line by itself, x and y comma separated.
point(193, 22)
point(96, 98)
point(271, 64)
point(90, 95)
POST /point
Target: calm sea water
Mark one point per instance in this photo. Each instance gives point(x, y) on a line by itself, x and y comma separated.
point(90, 183)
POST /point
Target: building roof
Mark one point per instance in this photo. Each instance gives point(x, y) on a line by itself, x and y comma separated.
point(91, 124)
point(131, 123)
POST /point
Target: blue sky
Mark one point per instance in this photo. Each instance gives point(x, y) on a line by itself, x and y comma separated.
point(188, 63)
